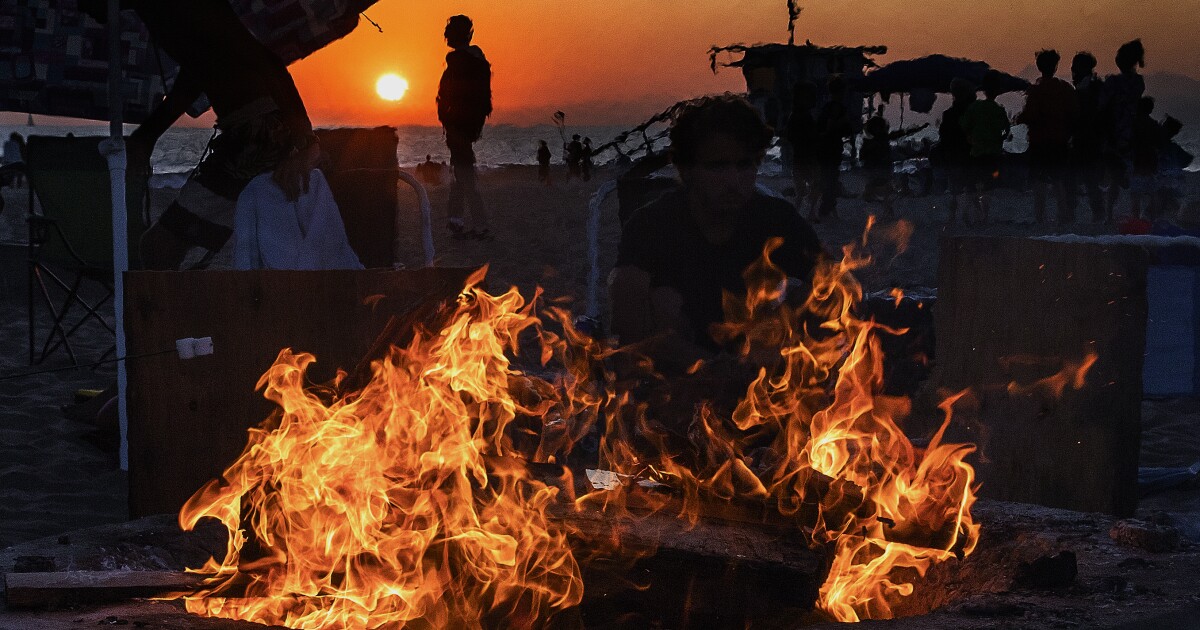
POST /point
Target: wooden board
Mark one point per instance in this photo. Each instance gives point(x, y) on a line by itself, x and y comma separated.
point(362, 170)
point(188, 418)
point(36, 590)
point(1018, 310)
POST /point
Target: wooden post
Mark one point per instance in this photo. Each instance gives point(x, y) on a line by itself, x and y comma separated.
point(188, 418)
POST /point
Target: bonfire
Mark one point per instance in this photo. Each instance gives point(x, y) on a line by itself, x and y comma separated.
point(421, 499)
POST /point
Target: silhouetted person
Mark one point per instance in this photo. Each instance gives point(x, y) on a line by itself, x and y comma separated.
point(585, 160)
point(573, 155)
point(833, 128)
point(261, 121)
point(679, 253)
point(954, 148)
point(986, 125)
point(1148, 139)
point(464, 102)
point(13, 160)
point(876, 156)
point(429, 171)
point(1118, 107)
point(543, 160)
point(1087, 141)
point(1049, 113)
point(802, 135)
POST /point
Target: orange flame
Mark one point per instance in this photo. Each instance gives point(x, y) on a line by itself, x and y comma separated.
point(408, 500)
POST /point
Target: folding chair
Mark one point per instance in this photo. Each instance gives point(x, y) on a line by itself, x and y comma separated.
point(70, 241)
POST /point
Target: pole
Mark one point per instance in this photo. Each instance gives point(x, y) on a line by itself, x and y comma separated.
point(114, 150)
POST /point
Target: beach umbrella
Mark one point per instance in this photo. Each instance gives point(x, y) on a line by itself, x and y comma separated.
point(55, 60)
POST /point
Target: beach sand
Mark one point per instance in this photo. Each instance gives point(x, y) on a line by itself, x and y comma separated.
point(58, 475)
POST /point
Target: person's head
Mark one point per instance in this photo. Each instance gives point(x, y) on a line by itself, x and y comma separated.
point(459, 31)
point(1145, 106)
point(16, 137)
point(428, 157)
point(962, 90)
point(1083, 65)
point(804, 95)
point(1131, 55)
point(587, 140)
point(717, 143)
point(1047, 62)
point(575, 136)
point(991, 83)
point(541, 143)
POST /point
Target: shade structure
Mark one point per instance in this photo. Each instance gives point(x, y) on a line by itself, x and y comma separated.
point(54, 58)
point(933, 73)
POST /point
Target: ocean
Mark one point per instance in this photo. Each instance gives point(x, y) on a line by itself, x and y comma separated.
point(180, 148)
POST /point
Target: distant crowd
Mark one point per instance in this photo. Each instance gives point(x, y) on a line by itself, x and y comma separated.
point(1094, 134)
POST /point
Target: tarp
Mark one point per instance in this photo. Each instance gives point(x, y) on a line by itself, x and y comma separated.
point(932, 73)
point(54, 59)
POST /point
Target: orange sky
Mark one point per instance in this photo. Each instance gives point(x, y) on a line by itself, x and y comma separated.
point(617, 61)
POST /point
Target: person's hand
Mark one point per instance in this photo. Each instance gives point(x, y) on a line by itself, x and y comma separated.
point(292, 173)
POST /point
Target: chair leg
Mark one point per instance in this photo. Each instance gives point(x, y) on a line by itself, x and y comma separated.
point(56, 328)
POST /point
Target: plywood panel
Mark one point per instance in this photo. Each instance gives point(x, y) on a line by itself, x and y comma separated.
point(1015, 310)
point(188, 419)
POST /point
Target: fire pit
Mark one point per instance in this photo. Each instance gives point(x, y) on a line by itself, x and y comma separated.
point(446, 490)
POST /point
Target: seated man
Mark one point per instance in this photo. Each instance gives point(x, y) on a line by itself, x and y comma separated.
point(679, 253)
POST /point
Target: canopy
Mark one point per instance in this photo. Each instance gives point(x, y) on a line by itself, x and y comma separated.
point(54, 59)
point(932, 73)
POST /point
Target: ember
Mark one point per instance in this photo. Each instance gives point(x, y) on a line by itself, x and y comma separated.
point(411, 499)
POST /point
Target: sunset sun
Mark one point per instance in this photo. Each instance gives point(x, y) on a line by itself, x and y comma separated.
point(391, 87)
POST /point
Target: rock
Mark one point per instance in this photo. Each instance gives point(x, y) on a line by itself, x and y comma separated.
point(1048, 572)
point(1143, 535)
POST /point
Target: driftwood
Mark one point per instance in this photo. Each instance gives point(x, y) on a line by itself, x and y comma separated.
point(52, 589)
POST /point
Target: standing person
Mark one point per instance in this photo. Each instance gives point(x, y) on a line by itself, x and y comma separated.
point(1148, 139)
point(683, 251)
point(986, 125)
point(1118, 108)
point(585, 160)
point(464, 102)
point(14, 158)
point(833, 128)
point(1049, 113)
point(1087, 141)
point(802, 135)
point(954, 148)
point(573, 155)
point(262, 125)
point(876, 155)
point(543, 160)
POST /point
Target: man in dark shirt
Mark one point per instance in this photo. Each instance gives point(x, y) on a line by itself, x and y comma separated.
point(681, 252)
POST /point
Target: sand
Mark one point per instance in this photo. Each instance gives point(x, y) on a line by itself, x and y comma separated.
point(58, 475)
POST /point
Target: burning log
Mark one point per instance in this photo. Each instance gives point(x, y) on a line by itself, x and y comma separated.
point(662, 565)
point(53, 589)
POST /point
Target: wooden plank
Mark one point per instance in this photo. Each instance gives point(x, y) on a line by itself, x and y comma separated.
point(40, 590)
point(1019, 310)
point(188, 419)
